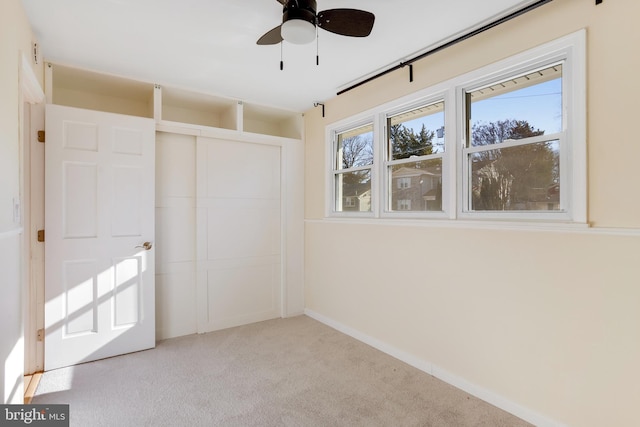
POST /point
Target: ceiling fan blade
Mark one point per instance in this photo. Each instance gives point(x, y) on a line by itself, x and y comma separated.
point(346, 22)
point(271, 37)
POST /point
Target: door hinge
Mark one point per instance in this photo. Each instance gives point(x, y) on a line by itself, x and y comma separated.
point(40, 136)
point(40, 335)
point(40, 236)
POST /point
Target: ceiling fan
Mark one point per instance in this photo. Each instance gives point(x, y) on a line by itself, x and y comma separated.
point(300, 22)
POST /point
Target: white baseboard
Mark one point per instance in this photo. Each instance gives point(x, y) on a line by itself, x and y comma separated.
point(293, 314)
point(431, 369)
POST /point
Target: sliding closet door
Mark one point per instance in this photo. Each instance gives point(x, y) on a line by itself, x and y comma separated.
point(238, 233)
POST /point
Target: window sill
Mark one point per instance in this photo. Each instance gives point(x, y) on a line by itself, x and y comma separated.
point(517, 225)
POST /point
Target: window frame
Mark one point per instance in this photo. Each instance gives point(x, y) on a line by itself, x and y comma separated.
point(332, 136)
point(569, 50)
point(468, 149)
point(433, 96)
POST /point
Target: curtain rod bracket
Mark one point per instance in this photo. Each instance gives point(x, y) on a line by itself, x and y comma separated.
point(404, 64)
point(316, 104)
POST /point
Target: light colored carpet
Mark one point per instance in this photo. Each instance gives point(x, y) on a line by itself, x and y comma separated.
point(286, 372)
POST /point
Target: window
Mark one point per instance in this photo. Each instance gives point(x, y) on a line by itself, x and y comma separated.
point(352, 169)
point(514, 138)
point(403, 182)
point(415, 146)
point(506, 141)
point(404, 205)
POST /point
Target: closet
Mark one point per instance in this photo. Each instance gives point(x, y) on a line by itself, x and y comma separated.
point(228, 199)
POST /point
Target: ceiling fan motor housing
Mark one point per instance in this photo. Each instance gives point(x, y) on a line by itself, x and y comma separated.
point(301, 9)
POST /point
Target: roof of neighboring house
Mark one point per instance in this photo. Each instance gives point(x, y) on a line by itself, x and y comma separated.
point(355, 190)
point(412, 172)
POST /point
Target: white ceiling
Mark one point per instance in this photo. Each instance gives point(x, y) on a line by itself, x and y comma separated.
point(210, 45)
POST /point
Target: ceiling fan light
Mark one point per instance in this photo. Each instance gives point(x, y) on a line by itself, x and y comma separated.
point(298, 31)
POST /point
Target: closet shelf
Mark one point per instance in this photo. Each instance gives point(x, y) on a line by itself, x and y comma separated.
point(172, 108)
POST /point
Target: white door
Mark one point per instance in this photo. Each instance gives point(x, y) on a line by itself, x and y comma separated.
point(239, 263)
point(99, 211)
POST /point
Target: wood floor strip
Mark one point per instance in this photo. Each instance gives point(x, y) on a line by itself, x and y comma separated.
point(30, 386)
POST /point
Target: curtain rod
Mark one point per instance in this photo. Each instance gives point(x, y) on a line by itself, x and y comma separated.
point(451, 43)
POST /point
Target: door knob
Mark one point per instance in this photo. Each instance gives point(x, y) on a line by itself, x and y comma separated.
point(146, 246)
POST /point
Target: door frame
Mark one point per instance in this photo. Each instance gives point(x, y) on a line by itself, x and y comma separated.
point(31, 120)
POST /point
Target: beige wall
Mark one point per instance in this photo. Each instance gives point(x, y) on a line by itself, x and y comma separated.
point(15, 37)
point(547, 320)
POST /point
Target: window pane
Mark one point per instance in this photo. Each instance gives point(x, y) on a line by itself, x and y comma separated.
point(353, 191)
point(416, 186)
point(522, 178)
point(354, 148)
point(418, 132)
point(522, 107)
